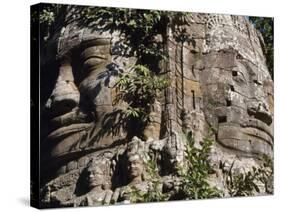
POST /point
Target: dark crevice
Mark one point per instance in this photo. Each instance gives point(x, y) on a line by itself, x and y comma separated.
point(228, 103)
point(222, 119)
point(193, 99)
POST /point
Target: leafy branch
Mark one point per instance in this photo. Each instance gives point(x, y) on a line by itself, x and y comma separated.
point(195, 183)
point(249, 183)
point(140, 88)
point(265, 26)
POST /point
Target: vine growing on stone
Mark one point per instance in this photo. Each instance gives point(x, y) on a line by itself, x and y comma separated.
point(195, 183)
point(154, 193)
point(249, 183)
point(140, 88)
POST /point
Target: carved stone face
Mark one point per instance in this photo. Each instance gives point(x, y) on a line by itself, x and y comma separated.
point(74, 103)
point(95, 176)
point(237, 89)
point(81, 109)
point(135, 166)
point(240, 107)
point(219, 80)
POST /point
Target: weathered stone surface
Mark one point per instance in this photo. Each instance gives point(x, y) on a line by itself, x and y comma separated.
point(218, 82)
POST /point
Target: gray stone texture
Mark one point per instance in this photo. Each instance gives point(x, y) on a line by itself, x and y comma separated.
point(221, 82)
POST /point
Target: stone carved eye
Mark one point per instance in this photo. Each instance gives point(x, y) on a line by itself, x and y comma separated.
point(239, 57)
point(257, 82)
point(238, 76)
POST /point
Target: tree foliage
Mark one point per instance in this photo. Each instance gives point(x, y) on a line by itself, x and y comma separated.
point(265, 26)
point(46, 16)
point(195, 183)
point(140, 28)
point(249, 183)
point(140, 88)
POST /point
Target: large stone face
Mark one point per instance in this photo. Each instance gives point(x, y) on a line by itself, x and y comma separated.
point(219, 81)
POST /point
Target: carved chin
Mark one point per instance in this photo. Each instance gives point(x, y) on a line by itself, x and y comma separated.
point(135, 173)
point(94, 183)
point(67, 140)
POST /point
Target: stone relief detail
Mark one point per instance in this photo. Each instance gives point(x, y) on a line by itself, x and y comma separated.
point(218, 81)
point(98, 189)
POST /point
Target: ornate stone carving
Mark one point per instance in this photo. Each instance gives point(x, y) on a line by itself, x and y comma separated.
point(218, 81)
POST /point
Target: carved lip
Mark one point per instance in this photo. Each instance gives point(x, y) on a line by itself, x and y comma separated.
point(258, 134)
point(63, 132)
point(69, 123)
point(72, 117)
point(258, 129)
point(255, 123)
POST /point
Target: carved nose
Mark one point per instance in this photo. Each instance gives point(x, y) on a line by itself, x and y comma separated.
point(64, 98)
point(65, 95)
point(260, 110)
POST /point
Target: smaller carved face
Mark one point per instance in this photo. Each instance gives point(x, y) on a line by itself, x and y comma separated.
point(95, 176)
point(135, 166)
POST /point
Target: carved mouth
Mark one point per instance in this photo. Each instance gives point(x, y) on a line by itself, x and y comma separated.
point(134, 173)
point(73, 117)
point(258, 130)
point(68, 130)
point(251, 137)
point(70, 123)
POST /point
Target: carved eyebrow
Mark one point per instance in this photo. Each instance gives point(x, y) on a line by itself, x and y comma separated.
point(243, 75)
